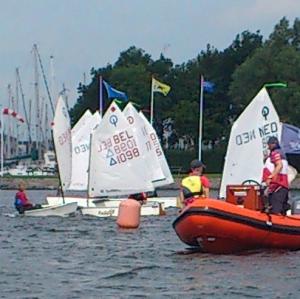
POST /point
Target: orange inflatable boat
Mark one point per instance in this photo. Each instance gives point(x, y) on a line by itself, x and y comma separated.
point(236, 224)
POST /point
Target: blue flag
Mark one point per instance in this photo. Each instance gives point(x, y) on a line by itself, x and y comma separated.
point(113, 93)
point(290, 139)
point(208, 86)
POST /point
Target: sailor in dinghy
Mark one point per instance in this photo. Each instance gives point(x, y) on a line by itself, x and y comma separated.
point(22, 203)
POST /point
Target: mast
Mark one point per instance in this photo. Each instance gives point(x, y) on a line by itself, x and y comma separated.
point(9, 124)
point(52, 78)
point(30, 124)
point(46, 125)
point(37, 101)
point(44, 77)
point(28, 120)
point(17, 109)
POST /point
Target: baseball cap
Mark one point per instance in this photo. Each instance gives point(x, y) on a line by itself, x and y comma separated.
point(273, 140)
point(196, 164)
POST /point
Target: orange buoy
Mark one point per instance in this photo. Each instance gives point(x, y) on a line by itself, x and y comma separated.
point(129, 214)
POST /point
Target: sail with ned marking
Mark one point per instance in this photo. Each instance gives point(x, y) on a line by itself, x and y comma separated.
point(247, 144)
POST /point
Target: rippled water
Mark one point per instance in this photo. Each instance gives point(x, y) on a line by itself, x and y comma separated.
point(91, 258)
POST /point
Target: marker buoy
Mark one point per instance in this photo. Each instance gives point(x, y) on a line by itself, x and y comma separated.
point(129, 214)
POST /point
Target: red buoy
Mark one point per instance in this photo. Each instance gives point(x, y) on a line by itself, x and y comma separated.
point(129, 214)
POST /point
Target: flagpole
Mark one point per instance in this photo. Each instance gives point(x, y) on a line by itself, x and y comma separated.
point(151, 103)
point(100, 88)
point(200, 117)
point(2, 139)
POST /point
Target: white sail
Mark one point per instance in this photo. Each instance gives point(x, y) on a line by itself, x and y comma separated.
point(116, 164)
point(144, 141)
point(82, 121)
point(160, 154)
point(81, 152)
point(62, 142)
point(247, 144)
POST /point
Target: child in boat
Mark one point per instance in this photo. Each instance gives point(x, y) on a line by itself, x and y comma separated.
point(195, 185)
point(22, 203)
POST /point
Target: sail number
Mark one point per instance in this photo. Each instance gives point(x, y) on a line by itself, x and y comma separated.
point(119, 148)
point(64, 137)
point(156, 144)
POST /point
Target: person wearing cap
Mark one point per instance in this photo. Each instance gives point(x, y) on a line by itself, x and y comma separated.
point(275, 175)
point(195, 185)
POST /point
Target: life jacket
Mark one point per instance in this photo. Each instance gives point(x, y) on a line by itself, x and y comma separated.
point(281, 179)
point(18, 202)
point(191, 186)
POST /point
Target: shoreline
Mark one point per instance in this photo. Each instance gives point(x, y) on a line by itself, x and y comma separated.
point(51, 183)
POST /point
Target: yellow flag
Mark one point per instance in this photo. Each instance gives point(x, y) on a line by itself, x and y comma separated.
point(160, 87)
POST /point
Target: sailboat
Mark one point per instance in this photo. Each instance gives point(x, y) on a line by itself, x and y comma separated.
point(62, 143)
point(239, 223)
point(160, 175)
point(117, 165)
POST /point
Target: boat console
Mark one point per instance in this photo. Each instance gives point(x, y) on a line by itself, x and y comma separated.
point(248, 196)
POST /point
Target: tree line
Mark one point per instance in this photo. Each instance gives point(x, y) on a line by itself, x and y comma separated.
point(238, 72)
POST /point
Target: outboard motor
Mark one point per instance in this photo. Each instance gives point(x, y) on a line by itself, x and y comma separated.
point(296, 207)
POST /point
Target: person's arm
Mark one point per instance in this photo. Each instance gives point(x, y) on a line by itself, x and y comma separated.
point(277, 168)
point(181, 197)
point(205, 186)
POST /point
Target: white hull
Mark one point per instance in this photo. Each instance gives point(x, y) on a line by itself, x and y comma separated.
point(55, 210)
point(167, 202)
point(148, 209)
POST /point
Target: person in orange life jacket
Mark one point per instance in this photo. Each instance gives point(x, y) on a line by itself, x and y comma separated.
point(195, 184)
point(275, 175)
point(22, 203)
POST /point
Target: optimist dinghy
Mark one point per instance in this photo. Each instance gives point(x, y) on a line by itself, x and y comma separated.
point(62, 143)
point(148, 144)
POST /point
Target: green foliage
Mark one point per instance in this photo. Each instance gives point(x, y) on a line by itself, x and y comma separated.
point(239, 71)
point(213, 159)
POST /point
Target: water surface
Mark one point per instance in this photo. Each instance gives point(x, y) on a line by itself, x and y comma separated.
point(85, 257)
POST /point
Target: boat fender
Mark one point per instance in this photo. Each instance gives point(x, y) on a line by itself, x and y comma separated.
point(129, 214)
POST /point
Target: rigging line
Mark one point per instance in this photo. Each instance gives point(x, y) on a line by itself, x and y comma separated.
point(44, 77)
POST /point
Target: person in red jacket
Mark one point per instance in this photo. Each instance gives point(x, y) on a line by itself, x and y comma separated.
point(22, 203)
point(275, 175)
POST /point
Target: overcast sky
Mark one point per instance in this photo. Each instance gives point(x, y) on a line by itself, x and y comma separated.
point(81, 34)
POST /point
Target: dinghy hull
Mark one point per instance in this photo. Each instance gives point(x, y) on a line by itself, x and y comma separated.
point(62, 210)
point(167, 202)
point(149, 209)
